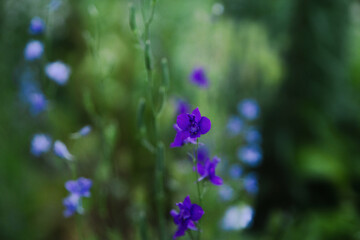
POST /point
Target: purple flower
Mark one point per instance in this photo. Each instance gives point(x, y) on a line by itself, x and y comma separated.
point(237, 218)
point(198, 77)
point(182, 106)
point(37, 26)
point(33, 50)
point(187, 217)
point(203, 154)
point(58, 71)
point(226, 192)
point(249, 109)
point(40, 144)
point(191, 125)
point(235, 171)
point(207, 170)
point(80, 187)
point(61, 150)
point(234, 126)
point(38, 102)
point(250, 155)
point(72, 204)
point(251, 183)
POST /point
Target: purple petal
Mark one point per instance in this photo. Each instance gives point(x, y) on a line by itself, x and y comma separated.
point(201, 169)
point(196, 212)
point(175, 216)
point(180, 231)
point(183, 121)
point(72, 186)
point(187, 202)
point(191, 225)
point(216, 180)
point(197, 114)
point(179, 139)
point(205, 125)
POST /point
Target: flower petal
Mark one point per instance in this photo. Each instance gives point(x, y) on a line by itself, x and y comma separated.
point(205, 125)
point(196, 212)
point(191, 225)
point(187, 202)
point(216, 180)
point(179, 139)
point(201, 169)
point(197, 114)
point(183, 121)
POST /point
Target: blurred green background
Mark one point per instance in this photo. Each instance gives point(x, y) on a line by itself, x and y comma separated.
point(300, 59)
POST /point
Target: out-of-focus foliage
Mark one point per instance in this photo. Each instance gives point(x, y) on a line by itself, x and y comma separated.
point(299, 59)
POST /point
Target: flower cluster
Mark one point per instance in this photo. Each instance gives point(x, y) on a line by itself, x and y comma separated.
point(78, 189)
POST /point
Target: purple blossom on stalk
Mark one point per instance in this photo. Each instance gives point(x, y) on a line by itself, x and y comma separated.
point(37, 26)
point(80, 187)
point(190, 125)
point(40, 144)
point(199, 78)
point(58, 71)
point(61, 150)
point(33, 50)
point(249, 109)
point(187, 217)
point(207, 170)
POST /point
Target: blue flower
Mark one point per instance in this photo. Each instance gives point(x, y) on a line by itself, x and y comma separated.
point(187, 217)
point(38, 103)
point(72, 204)
point(190, 125)
point(40, 144)
point(235, 171)
point(237, 218)
point(82, 132)
point(249, 109)
point(251, 183)
point(234, 125)
point(207, 170)
point(33, 50)
point(250, 155)
point(61, 150)
point(58, 71)
point(199, 78)
point(226, 192)
point(80, 187)
point(37, 26)
point(253, 136)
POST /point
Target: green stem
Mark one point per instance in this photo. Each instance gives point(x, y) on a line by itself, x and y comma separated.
point(195, 160)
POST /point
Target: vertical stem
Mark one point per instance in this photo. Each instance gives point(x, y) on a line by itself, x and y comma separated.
point(195, 160)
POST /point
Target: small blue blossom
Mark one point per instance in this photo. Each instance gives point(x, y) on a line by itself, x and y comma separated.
point(190, 125)
point(199, 78)
point(82, 132)
point(187, 217)
point(237, 218)
point(58, 71)
point(72, 204)
point(235, 171)
point(37, 26)
point(251, 183)
point(226, 192)
point(234, 126)
point(61, 150)
point(33, 50)
point(38, 103)
point(250, 155)
point(249, 109)
point(40, 144)
point(207, 170)
point(80, 187)
point(253, 136)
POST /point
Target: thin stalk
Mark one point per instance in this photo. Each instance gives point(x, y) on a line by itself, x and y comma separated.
point(197, 183)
